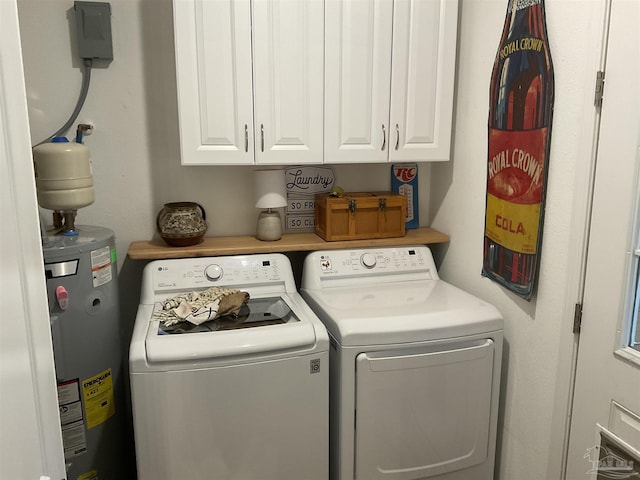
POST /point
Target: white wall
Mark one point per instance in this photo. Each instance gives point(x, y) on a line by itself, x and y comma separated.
point(539, 342)
point(135, 152)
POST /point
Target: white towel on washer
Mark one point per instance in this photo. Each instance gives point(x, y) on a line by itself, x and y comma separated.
point(199, 307)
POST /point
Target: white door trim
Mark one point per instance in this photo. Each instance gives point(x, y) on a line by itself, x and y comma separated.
point(579, 232)
point(30, 439)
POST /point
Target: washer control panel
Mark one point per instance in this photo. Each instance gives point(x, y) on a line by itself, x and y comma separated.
point(195, 273)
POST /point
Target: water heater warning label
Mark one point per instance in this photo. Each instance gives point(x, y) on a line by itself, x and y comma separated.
point(98, 398)
point(90, 475)
point(71, 419)
point(101, 266)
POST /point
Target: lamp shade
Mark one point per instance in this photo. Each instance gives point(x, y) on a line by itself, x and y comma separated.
point(270, 188)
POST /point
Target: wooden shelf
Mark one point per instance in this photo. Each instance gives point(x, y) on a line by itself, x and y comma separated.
point(290, 242)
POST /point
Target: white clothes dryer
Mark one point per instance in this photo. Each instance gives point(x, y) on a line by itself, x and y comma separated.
point(414, 366)
point(244, 398)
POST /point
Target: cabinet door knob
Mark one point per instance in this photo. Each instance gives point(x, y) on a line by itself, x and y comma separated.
point(246, 138)
point(384, 138)
point(397, 136)
point(261, 137)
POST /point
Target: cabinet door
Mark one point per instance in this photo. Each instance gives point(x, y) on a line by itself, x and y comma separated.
point(422, 80)
point(213, 65)
point(288, 80)
point(357, 80)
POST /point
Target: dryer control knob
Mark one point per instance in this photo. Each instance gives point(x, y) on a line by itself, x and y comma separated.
point(368, 260)
point(213, 272)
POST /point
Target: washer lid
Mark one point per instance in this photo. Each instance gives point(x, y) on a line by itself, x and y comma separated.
point(265, 325)
point(401, 312)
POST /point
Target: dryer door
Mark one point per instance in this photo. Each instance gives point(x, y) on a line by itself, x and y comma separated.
point(423, 413)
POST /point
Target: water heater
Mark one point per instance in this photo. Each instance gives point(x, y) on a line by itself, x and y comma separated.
point(82, 287)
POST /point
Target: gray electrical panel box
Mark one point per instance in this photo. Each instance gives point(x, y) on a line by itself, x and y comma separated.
point(93, 25)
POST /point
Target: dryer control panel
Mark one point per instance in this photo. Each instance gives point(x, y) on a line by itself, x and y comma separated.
point(409, 263)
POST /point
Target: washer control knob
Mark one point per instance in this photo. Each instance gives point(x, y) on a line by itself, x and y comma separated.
point(213, 272)
point(368, 260)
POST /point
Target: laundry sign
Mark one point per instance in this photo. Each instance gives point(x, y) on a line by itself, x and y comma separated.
point(302, 184)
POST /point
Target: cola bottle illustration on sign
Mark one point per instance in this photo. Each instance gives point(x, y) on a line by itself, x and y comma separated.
point(519, 132)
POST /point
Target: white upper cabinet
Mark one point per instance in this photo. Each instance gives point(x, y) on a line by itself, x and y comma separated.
point(311, 81)
point(214, 75)
point(422, 79)
point(357, 80)
point(389, 80)
point(250, 81)
point(288, 59)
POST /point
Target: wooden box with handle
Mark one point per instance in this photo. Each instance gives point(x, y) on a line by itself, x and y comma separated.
point(360, 215)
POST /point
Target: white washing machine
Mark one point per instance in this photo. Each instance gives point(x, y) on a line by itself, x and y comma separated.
point(231, 399)
point(414, 366)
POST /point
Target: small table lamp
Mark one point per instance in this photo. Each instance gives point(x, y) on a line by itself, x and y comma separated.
point(270, 192)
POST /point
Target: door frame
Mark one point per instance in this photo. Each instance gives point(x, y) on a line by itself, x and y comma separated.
point(579, 233)
point(28, 394)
